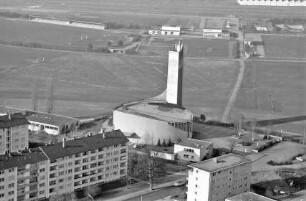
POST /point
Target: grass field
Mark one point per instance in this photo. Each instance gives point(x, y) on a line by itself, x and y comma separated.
point(194, 47)
point(26, 31)
point(285, 46)
point(271, 90)
point(88, 84)
point(159, 7)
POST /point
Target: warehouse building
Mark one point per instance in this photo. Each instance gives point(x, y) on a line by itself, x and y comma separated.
point(64, 167)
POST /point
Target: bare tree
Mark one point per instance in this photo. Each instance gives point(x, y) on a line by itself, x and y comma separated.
point(49, 95)
point(35, 94)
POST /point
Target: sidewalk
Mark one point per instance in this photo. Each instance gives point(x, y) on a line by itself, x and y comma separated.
point(140, 192)
point(139, 189)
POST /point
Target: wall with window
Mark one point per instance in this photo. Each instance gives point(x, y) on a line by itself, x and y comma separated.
point(13, 139)
point(191, 153)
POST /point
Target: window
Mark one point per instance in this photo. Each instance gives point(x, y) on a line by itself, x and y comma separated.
point(41, 192)
point(42, 170)
point(1, 187)
point(11, 193)
point(11, 185)
point(42, 185)
point(1, 195)
point(61, 181)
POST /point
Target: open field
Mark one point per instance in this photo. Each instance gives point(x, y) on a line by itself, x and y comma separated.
point(271, 90)
point(26, 31)
point(88, 84)
point(285, 46)
point(281, 152)
point(194, 47)
point(179, 7)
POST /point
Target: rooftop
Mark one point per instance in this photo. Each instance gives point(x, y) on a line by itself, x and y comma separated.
point(41, 117)
point(247, 196)
point(80, 145)
point(56, 151)
point(46, 118)
point(160, 111)
point(12, 120)
point(224, 162)
point(194, 143)
point(18, 160)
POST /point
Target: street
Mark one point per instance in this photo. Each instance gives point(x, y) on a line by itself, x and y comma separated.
point(161, 193)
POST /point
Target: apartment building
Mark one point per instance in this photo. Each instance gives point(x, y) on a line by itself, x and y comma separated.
point(63, 167)
point(13, 133)
point(193, 150)
point(219, 178)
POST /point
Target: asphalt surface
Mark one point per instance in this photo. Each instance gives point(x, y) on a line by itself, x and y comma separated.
point(161, 193)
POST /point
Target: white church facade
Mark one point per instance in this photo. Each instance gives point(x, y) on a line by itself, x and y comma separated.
point(163, 118)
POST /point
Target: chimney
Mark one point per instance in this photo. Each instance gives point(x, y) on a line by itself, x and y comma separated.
point(104, 136)
point(64, 143)
point(215, 160)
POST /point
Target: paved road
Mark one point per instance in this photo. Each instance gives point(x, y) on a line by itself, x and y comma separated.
point(159, 194)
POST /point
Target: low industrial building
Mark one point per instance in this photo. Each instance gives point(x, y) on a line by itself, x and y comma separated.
point(72, 23)
point(298, 3)
point(170, 30)
point(218, 32)
point(65, 167)
point(193, 150)
point(14, 133)
point(52, 124)
point(248, 196)
point(219, 178)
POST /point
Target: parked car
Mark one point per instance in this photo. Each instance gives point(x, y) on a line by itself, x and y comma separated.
point(179, 183)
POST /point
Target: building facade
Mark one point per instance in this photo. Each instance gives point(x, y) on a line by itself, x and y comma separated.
point(13, 133)
point(175, 75)
point(218, 178)
point(64, 167)
point(193, 150)
point(297, 3)
point(170, 30)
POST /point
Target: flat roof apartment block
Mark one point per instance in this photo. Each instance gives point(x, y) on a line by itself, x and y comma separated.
point(218, 178)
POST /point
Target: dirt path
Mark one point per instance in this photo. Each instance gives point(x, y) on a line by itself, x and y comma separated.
point(234, 94)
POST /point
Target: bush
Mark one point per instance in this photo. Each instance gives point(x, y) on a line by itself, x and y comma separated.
point(244, 143)
point(273, 163)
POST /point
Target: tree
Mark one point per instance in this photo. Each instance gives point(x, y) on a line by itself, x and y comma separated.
point(164, 143)
point(120, 43)
point(109, 43)
point(158, 143)
point(90, 46)
point(202, 117)
point(169, 144)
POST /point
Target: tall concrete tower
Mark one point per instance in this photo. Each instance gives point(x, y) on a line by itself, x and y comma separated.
point(175, 75)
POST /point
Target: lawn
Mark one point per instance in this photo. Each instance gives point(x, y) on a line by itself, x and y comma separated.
point(161, 7)
point(281, 152)
point(194, 47)
point(285, 46)
point(89, 84)
point(273, 88)
point(26, 31)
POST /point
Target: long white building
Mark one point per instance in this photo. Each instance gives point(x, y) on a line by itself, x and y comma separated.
point(272, 2)
point(219, 178)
